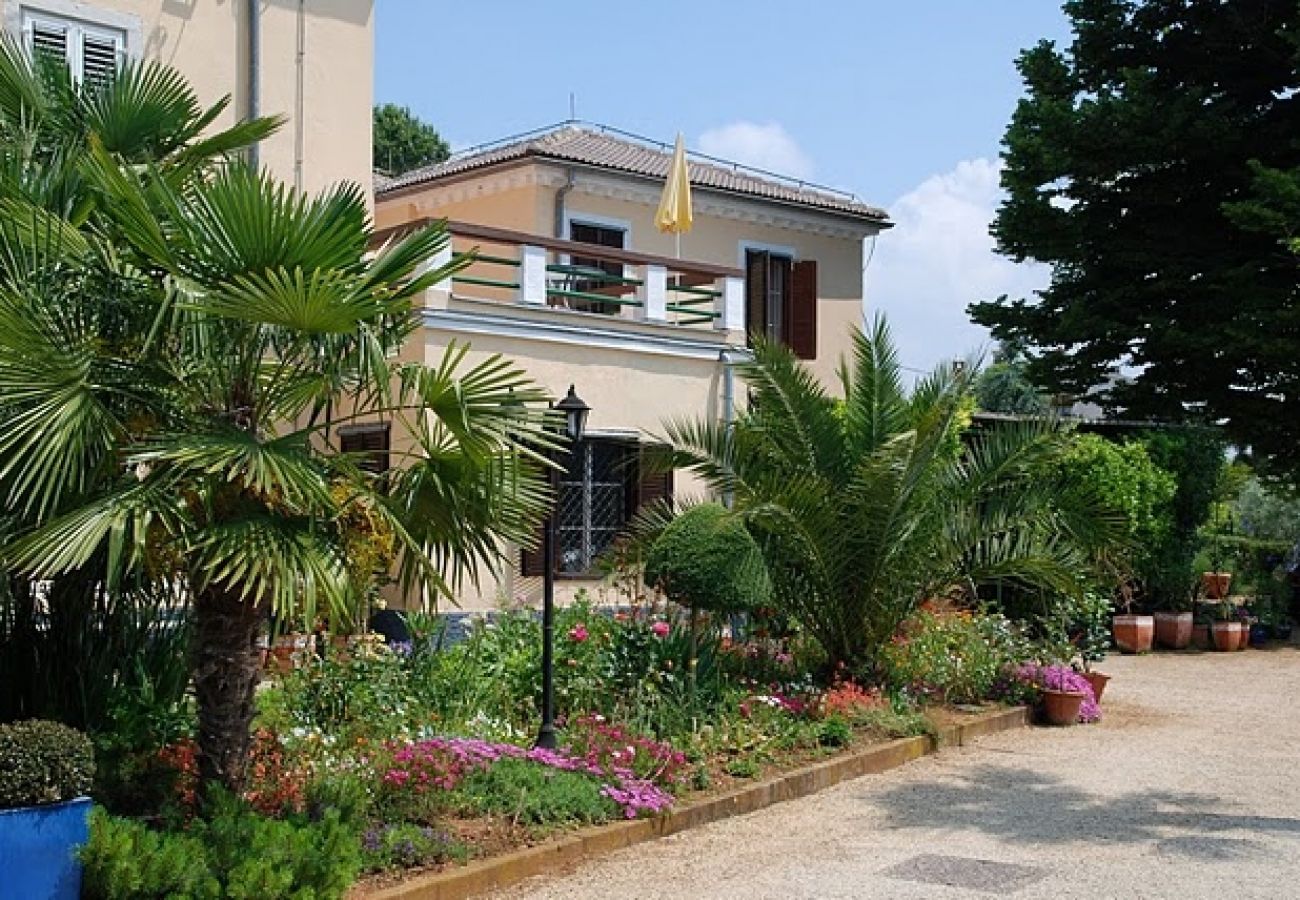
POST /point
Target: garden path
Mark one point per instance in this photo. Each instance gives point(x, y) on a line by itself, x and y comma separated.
point(1188, 788)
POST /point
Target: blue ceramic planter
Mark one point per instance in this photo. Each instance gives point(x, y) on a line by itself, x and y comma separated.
point(1259, 635)
point(38, 846)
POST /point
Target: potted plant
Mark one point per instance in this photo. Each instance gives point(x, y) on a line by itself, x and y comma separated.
point(1173, 626)
point(46, 771)
point(1216, 581)
point(1226, 629)
point(1064, 696)
point(1133, 633)
point(1092, 639)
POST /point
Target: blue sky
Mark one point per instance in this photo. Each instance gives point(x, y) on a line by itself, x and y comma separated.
point(902, 103)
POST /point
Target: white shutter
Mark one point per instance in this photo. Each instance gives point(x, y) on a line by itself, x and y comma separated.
point(90, 51)
point(47, 39)
point(99, 53)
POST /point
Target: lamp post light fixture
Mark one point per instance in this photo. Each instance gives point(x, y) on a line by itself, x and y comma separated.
point(575, 424)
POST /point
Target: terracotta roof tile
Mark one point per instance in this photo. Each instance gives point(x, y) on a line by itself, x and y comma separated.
point(570, 143)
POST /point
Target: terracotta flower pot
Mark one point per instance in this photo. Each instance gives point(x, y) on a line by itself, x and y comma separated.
point(1216, 584)
point(1226, 635)
point(1098, 680)
point(1243, 638)
point(1062, 707)
point(1134, 634)
point(1173, 630)
point(1201, 637)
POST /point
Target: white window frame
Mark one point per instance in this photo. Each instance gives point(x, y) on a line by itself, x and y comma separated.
point(80, 19)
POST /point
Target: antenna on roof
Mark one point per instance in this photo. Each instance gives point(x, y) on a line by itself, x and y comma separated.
point(573, 107)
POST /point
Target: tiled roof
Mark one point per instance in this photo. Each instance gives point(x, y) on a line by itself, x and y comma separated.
point(601, 149)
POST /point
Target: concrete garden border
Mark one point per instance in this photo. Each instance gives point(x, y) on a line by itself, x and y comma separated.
point(510, 868)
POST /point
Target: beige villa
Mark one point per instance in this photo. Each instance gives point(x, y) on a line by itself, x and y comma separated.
point(573, 281)
point(310, 61)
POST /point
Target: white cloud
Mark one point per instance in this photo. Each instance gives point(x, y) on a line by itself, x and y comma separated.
point(938, 258)
point(764, 146)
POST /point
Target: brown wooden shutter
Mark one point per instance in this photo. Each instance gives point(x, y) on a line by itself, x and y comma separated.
point(652, 485)
point(531, 563)
point(756, 266)
point(803, 309)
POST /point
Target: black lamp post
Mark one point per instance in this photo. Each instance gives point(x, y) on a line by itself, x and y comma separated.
point(575, 423)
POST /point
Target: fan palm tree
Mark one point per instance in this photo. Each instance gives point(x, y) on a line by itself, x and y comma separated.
point(180, 339)
point(866, 506)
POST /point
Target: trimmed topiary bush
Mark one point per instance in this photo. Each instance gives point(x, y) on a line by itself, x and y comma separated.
point(43, 762)
point(706, 559)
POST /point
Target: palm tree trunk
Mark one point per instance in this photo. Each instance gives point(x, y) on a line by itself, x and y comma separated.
point(226, 672)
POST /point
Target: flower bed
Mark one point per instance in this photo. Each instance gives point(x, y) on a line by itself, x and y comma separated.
point(414, 759)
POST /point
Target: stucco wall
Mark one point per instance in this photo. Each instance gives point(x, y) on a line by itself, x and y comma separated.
point(523, 198)
point(625, 390)
point(207, 41)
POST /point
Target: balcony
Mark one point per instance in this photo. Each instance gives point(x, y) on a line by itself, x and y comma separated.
point(588, 285)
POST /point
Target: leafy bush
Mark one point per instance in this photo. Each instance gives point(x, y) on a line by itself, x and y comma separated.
point(953, 657)
point(1196, 461)
point(405, 846)
point(537, 795)
point(834, 732)
point(367, 693)
point(43, 762)
point(237, 853)
point(706, 559)
point(124, 858)
point(1266, 513)
point(1124, 477)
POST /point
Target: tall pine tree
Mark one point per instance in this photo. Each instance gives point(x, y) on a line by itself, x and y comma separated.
point(1149, 166)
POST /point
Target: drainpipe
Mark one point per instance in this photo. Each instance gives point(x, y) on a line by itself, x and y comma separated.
point(254, 72)
point(560, 194)
point(299, 124)
point(728, 405)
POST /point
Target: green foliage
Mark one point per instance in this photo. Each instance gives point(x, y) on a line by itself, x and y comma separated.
point(1196, 460)
point(834, 732)
point(363, 694)
point(743, 767)
point(148, 280)
point(235, 853)
point(534, 794)
point(706, 559)
point(125, 858)
point(43, 762)
point(862, 508)
point(1126, 480)
point(1263, 512)
point(402, 142)
point(1154, 166)
point(406, 846)
point(955, 658)
point(1003, 387)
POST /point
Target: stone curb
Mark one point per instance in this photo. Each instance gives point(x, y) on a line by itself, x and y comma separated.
point(510, 868)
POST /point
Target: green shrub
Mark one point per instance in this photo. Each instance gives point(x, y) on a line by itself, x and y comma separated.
point(235, 853)
point(707, 559)
point(834, 732)
point(1124, 478)
point(743, 767)
point(124, 858)
point(43, 762)
point(367, 694)
point(956, 658)
point(536, 795)
point(1195, 460)
point(406, 846)
point(896, 722)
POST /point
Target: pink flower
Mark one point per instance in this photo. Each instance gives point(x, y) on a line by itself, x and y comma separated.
point(660, 629)
point(578, 633)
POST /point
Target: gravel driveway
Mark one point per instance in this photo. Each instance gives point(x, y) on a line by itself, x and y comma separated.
point(1188, 788)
